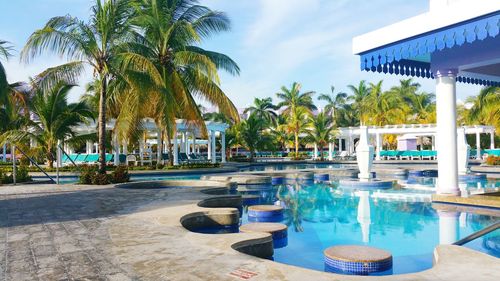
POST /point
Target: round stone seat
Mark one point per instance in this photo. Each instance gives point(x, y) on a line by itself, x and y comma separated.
point(250, 199)
point(265, 213)
point(354, 259)
point(277, 230)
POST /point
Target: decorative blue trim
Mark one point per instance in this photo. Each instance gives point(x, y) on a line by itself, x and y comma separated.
point(397, 58)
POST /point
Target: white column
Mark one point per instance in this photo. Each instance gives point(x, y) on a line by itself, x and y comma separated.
point(116, 150)
point(315, 156)
point(492, 140)
point(141, 151)
point(330, 151)
point(183, 142)
point(88, 148)
point(350, 149)
point(4, 152)
point(176, 151)
point(340, 144)
point(448, 227)
point(447, 132)
point(223, 147)
point(478, 145)
point(209, 145)
point(186, 143)
point(214, 148)
point(158, 147)
point(379, 146)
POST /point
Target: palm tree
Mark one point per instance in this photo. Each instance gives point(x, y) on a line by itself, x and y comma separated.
point(54, 120)
point(5, 53)
point(280, 133)
point(264, 109)
point(97, 43)
point(485, 107)
point(252, 136)
point(297, 107)
point(358, 99)
point(168, 52)
point(424, 107)
point(385, 107)
point(334, 102)
point(320, 131)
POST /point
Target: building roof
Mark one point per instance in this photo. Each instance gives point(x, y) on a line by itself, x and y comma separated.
point(409, 47)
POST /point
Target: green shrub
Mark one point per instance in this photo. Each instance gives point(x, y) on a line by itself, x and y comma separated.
point(240, 158)
point(493, 160)
point(87, 174)
point(100, 179)
point(120, 174)
point(298, 156)
point(22, 174)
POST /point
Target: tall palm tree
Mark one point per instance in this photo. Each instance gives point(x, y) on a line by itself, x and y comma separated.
point(424, 107)
point(384, 106)
point(334, 102)
point(280, 133)
point(264, 109)
point(485, 107)
point(5, 53)
point(320, 131)
point(297, 106)
point(54, 120)
point(358, 99)
point(97, 43)
point(252, 136)
point(168, 51)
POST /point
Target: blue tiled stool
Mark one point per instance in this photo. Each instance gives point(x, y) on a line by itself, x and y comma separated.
point(358, 260)
point(277, 230)
point(265, 213)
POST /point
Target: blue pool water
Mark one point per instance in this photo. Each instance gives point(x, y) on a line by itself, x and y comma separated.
point(281, 166)
point(321, 215)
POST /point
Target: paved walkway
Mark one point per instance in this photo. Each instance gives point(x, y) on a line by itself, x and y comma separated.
point(106, 233)
point(61, 235)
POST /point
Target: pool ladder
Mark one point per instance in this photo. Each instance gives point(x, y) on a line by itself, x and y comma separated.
point(478, 234)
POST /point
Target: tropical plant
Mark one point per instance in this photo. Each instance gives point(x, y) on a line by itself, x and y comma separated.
point(358, 99)
point(5, 53)
point(334, 102)
point(297, 106)
point(252, 135)
point(320, 131)
point(485, 107)
point(179, 70)
point(97, 43)
point(264, 109)
point(54, 120)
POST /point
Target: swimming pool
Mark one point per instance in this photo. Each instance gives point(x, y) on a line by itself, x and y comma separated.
point(321, 215)
point(284, 166)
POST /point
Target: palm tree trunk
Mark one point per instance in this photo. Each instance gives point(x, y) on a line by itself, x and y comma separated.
point(102, 125)
point(296, 144)
point(169, 148)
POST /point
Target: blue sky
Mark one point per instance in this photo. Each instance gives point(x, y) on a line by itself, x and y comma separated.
point(275, 42)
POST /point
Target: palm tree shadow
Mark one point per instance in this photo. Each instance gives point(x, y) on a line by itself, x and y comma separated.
point(38, 208)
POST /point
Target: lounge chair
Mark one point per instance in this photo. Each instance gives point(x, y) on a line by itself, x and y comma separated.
point(183, 157)
point(195, 158)
point(81, 158)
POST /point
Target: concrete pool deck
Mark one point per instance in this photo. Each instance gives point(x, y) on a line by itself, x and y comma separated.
point(76, 232)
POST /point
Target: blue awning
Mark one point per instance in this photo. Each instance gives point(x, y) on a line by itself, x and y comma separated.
point(411, 57)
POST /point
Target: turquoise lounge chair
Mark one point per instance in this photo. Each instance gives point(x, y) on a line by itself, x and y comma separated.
point(81, 158)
